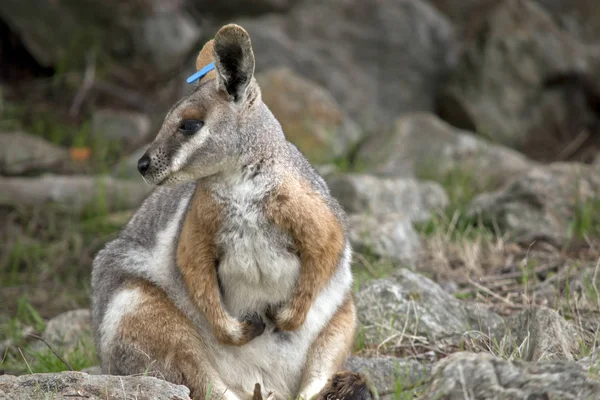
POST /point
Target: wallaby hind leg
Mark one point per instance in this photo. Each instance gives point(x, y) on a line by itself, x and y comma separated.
point(143, 332)
point(321, 379)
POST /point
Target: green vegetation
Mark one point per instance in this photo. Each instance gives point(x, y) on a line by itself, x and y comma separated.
point(367, 267)
point(28, 355)
point(461, 186)
point(586, 219)
point(34, 360)
point(47, 254)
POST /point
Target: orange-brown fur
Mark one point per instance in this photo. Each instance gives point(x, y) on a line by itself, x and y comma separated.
point(169, 341)
point(197, 257)
point(318, 235)
point(205, 57)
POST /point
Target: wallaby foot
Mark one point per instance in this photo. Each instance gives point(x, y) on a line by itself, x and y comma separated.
point(346, 385)
point(258, 394)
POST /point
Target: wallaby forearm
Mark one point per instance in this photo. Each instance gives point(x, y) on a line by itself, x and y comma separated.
point(319, 238)
point(197, 261)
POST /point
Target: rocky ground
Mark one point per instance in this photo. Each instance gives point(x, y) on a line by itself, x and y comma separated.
point(461, 136)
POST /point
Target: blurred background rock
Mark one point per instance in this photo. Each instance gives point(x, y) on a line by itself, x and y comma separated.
point(462, 137)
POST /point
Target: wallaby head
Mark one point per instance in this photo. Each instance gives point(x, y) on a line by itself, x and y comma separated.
point(201, 134)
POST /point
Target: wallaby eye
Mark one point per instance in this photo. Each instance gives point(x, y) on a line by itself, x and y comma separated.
point(190, 126)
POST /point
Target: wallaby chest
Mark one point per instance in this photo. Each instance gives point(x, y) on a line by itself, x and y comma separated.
point(257, 265)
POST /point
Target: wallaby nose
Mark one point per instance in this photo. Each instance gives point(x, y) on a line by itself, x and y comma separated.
point(144, 164)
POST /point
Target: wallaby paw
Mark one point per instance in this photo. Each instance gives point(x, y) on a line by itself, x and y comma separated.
point(285, 318)
point(253, 326)
point(239, 332)
point(258, 394)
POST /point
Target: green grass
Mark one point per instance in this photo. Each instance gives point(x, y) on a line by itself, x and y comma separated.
point(27, 355)
point(461, 187)
point(33, 360)
point(460, 184)
point(350, 163)
point(26, 315)
point(41, 361)
point(586, 220)
point(47, 255)
point(367, 266)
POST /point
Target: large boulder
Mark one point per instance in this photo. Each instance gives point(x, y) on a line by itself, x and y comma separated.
point(522, 82)
point(126, 127)
point(422, 144)
point(467, 15)
point(578, 17)
point(409, 308)
point(234, 8)
point(390, 238)
point(367, 194)
point(483, 376)
point(309, 116)
point(21, 153)
point(377, 58)
point(136, 34)
point(79, 385)
point(543, 204)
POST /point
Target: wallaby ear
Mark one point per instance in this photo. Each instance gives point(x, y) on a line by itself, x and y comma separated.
point(234, 60)
point(204, 58)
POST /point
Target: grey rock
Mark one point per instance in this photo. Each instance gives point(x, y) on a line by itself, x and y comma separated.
point(579, 17)
point(387, 373)
point(388, 237)
point(591, 362)
point(166, 36)
point(502, 87)
point(421, 144)
point(408, 304)
point(377, 58)
point(309, 116)
point(148, 37)
point(67, 331)
point(93, 387)
point(73, 194)
point(541, 204)
point(127, 167)
point(483, 376)
point(361, 193)
point(22, 153)
point(235, 8)
point(466, 14)
point(95, 370)
point(543, 335)
point(127, 127)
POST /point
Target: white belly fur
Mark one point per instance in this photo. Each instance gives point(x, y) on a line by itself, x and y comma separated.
point(257, 269)
point(254, 273)
point(277, 362)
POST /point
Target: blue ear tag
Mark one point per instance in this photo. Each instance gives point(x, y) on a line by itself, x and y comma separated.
point(200, 74)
